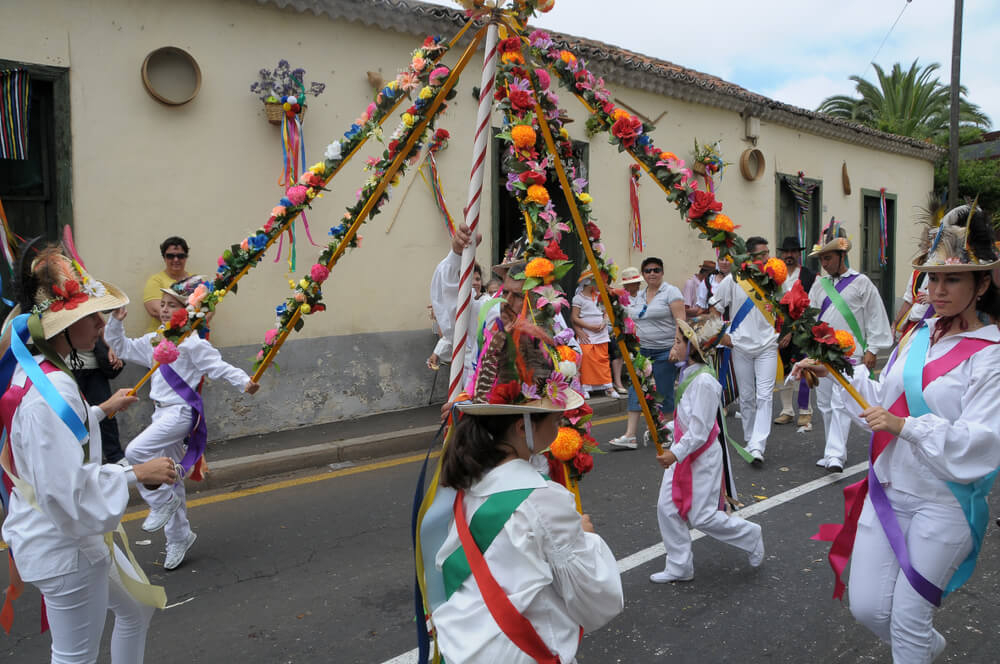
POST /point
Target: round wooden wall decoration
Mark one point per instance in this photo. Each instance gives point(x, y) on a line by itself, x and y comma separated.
point(846, 180)
point(752, 164)
point(171, 76)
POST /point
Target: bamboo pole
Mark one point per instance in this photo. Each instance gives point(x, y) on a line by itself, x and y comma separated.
point(847, 386)
point(390, 173)
point(573, 485)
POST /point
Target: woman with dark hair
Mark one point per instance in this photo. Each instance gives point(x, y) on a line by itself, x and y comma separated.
point(523, 555)
point(921, 513)
point(174, 251)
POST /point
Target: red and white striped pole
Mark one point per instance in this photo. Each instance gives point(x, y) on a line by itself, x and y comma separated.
point(463, 310)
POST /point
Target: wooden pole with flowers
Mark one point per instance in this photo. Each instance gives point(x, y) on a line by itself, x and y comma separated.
point(308, 289)
point(236, 261)
point(474, 198)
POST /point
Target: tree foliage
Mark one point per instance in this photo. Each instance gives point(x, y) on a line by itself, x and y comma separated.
point(912, 102)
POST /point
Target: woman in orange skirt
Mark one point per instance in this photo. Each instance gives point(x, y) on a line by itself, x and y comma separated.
point(591, 326)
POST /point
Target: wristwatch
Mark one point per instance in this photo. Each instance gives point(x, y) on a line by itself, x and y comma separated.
point(128, 472)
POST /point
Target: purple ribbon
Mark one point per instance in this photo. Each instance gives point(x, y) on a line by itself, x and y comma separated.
point(199, 430)
point(803, 394)
point(839, 286)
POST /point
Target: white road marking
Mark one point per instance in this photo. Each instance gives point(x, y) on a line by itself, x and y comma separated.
point(655, 551)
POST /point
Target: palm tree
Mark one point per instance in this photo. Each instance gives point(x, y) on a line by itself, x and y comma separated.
point(908, 103)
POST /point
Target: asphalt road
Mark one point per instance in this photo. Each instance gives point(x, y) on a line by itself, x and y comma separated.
point(318, 568)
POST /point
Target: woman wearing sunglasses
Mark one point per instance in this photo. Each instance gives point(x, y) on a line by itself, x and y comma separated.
point(175, 253)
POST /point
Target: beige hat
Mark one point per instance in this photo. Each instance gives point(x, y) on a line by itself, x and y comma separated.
point(962, 243)
point(834, 239)
point(704, 335)
point(631, 275)
point(66, 293)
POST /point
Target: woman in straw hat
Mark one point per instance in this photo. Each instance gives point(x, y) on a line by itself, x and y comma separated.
point(936, 448)
point(694, 464)
point(536, 563)
point(62, 499)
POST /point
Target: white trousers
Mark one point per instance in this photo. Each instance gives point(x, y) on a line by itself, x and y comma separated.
point(165, 437)
point(705, 515)
point(836, 421)
point(77, 604)
point(755, 376)
point(882, 599)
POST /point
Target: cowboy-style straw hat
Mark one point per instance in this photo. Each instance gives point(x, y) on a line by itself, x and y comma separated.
point(707, 266)
point(834, 239)
point(962, 243)
point(64, 292)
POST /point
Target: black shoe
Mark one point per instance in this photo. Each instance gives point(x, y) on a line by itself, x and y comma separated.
point(834, 468)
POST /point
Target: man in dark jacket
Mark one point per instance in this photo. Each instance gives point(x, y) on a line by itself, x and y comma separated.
point(790, 251)
point(94, 371)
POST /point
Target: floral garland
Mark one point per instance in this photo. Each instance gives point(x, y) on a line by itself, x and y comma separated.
point(239, 258)
point(700, 208)
point(307, 292)
point(529, 169)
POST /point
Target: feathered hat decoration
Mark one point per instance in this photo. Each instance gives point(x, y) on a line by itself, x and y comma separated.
point(963, 241)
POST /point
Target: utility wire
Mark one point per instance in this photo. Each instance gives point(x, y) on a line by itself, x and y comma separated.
point(885, 39)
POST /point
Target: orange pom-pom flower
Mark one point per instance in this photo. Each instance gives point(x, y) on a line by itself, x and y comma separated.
point(523, 135)
point(846, 341)
point(722, 222)
point(776, 269)
point(539, 268)
point(567, 443)
point(566, 354)
point(538, 194)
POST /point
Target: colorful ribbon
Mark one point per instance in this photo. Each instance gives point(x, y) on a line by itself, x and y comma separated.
point(15, 105)
point(883, 237)
point(635, 220)
point(199, 428)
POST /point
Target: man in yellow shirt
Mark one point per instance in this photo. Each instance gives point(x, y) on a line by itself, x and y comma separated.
point(175, 253)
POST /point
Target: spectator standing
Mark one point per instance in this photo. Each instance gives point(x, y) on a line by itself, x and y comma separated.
point(590, 323)
point(174, 251)
point(655, 311)
point(696, 290)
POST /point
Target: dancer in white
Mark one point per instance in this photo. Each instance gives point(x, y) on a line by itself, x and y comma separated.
point(172, 419)
point(692, 482)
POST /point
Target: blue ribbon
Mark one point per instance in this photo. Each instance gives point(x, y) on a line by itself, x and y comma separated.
point(741, 314)
point(423, 639)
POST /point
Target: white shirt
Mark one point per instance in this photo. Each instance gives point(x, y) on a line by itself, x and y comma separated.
point(80, 501)
point(790, 280)
point(918, 309)
point(197, 358)
point(702, 300)
point(592, 313)
point(754, 333)
point(654, 321)
point(696, 411)
point(556, 575)
point(865, 303)
point(444, 302)
point(959, 440)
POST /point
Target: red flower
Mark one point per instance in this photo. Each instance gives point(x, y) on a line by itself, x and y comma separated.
point(593, 231)
point(428, 41)
point(521, 99)
point(608, 108)
point(582, 411)
point(509, 45)
point(179, 318)
point(519, 72)
point(702, 202)
point(442, 135)
point(504, 392)
point(393, 147)
point(825, 334)
point(796, 300)
point(627, 130)
point(68, 296)
point(532, 177)
point(554, 253)
point(583, 462)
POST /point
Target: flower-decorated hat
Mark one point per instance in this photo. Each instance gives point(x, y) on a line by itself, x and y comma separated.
point(513, 257)
point(704, 335)
point(60, 291)
point(963, 242)
point(520, 371)
point(834, 239)
point(182, 290)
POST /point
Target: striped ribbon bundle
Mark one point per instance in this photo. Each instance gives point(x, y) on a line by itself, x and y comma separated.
point(14, 96)
point(635, 220)
point(802, 191)
point(883, 238)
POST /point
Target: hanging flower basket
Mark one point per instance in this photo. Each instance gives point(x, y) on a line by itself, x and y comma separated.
point(280, 85)
point(275, 111)
point(697, 167)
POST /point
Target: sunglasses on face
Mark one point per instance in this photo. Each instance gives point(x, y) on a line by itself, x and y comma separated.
point(175, 257)
point(652, 270)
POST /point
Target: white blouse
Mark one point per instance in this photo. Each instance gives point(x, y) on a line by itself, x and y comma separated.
point(558, 576)
point(80, 499)
point(592, 313)
point(197, 358)
point(959, 441)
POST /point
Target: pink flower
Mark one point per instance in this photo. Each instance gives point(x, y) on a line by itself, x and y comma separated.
point(543, 78)
point(319, 273)
point(270, 336)
point(260, 355)
point(198, 295)
point(438, 74)
point(629, 326)
point(418, 64)
point(245, 244)
point(297, 194)
point(371, 109)
point(278, 211)
point(222, 261)
point(165, 352)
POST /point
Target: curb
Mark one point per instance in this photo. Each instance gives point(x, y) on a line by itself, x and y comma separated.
point(227, 472)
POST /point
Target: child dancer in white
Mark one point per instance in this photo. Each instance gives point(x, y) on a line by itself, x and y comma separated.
point(692, 481)
point(172, 417)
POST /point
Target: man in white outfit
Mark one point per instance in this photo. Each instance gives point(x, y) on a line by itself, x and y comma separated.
point(848, 301)
point(755, 355)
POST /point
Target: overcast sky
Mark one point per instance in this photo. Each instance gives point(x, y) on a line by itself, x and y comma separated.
point(797, 52)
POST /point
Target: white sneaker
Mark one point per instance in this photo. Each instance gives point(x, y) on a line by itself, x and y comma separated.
point(667, 577)
point(623, 442)
point(758, 458)
point(756, 557)
point(822, 462)
point(177, 550)
point(159, 516)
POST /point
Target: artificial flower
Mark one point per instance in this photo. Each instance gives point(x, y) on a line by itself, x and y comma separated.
point(554, 253)
point(319, 273)
point(556, 389)
point(408, 119)
point(332, 151)
point(543, 78)
point(776, 269)
point(426, 93)
point(549, 296)
point(270, 336)
point(846, 341)
point(523, 136)
point(418, 64)
point(539, 268)
point(538, 194)
point(825, 334)
point(567, 443)
point(702, 202)
point(583, 462)
point(593, 231)
point(68, 297)
point(438, 75)
point(530, 391)
point(504, 393)
point(566, 353)
point(568, 369)
point(198, 295)
point(567, 57)
point(796, 300)
point(165, 352)
point(627, 130)
point(179, 318)
point(510, 57)
point(305, 308)
point(585, 198)
point(408, 81)
point(521, 99)
point(722, 222)
point(297, 194)
point(619, 114)
point(531, 177)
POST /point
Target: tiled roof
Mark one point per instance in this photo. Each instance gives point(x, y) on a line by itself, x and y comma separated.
point(627, 68)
